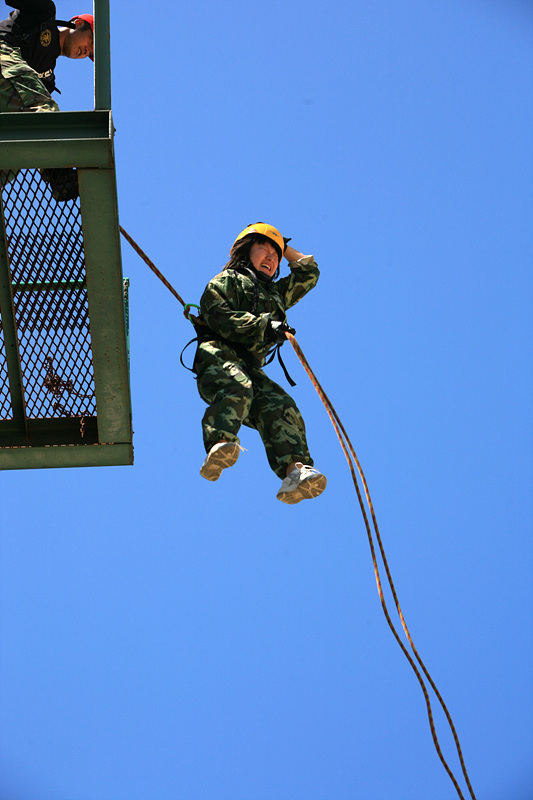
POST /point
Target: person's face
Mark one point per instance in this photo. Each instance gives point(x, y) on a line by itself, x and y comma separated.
point(264, 258)
point(78, 42)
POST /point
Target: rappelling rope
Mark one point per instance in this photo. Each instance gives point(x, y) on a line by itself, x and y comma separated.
point(352, 459)
point(350, 454)
point(154, 269)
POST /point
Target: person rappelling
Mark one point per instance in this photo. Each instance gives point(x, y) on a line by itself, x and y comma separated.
point(242, 318)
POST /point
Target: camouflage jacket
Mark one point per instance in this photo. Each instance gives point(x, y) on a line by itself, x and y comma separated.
point(237, 308)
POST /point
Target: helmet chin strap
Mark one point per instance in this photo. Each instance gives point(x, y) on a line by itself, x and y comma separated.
point(263, 276)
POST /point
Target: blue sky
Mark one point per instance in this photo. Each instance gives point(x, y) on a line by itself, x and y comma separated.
point(164, 637)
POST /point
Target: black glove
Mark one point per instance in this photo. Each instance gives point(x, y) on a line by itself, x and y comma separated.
point(275, 331)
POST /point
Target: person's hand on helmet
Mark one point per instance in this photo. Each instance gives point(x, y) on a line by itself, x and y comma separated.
point(275, 331)
point(291, 254)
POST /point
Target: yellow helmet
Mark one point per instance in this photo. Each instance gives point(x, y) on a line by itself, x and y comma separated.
point(264, 230)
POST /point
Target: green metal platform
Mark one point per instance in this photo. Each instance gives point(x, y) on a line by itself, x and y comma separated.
point(64, 376)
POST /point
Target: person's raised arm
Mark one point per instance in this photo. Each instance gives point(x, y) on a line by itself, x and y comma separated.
point(291, 254)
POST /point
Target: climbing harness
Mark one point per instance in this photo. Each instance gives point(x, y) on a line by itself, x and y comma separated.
point(203, 334)
point(372, 531)
point(276, 350)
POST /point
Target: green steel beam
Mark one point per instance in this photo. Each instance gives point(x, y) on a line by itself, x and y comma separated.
point(41, 432)
point(102, 55)
point(63, 125)
point(101, 237)
point(65, 139)
point(59, 456)
point(9, 328)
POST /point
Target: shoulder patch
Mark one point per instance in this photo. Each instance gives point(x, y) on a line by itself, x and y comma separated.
point(45, 38)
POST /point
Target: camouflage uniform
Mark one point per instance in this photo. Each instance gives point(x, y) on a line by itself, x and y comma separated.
point(236, 307)
point(21, 89)
point(29, 48)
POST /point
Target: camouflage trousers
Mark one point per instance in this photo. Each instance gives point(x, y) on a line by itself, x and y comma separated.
point(238, 395)
point(21, 89)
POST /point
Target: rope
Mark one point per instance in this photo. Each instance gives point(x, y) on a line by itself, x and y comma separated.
point(154, 269)
point(351, 458)
point(350, 454)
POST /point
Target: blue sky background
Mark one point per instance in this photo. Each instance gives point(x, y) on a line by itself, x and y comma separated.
point(164, 637)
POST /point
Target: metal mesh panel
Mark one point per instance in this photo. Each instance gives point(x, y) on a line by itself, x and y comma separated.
point(45, 246)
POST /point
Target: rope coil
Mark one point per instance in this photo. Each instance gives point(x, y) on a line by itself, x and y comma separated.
point(355, 467)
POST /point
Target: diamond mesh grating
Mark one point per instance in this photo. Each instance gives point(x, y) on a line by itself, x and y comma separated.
point(45, 246)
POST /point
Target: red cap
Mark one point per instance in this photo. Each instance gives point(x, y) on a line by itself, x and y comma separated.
point(86, 18)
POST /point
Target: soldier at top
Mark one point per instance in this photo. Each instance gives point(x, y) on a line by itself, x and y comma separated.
point(31, 40)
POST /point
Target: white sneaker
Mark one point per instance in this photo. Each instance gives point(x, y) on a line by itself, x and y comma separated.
point(302, 483)
point(221, 455)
